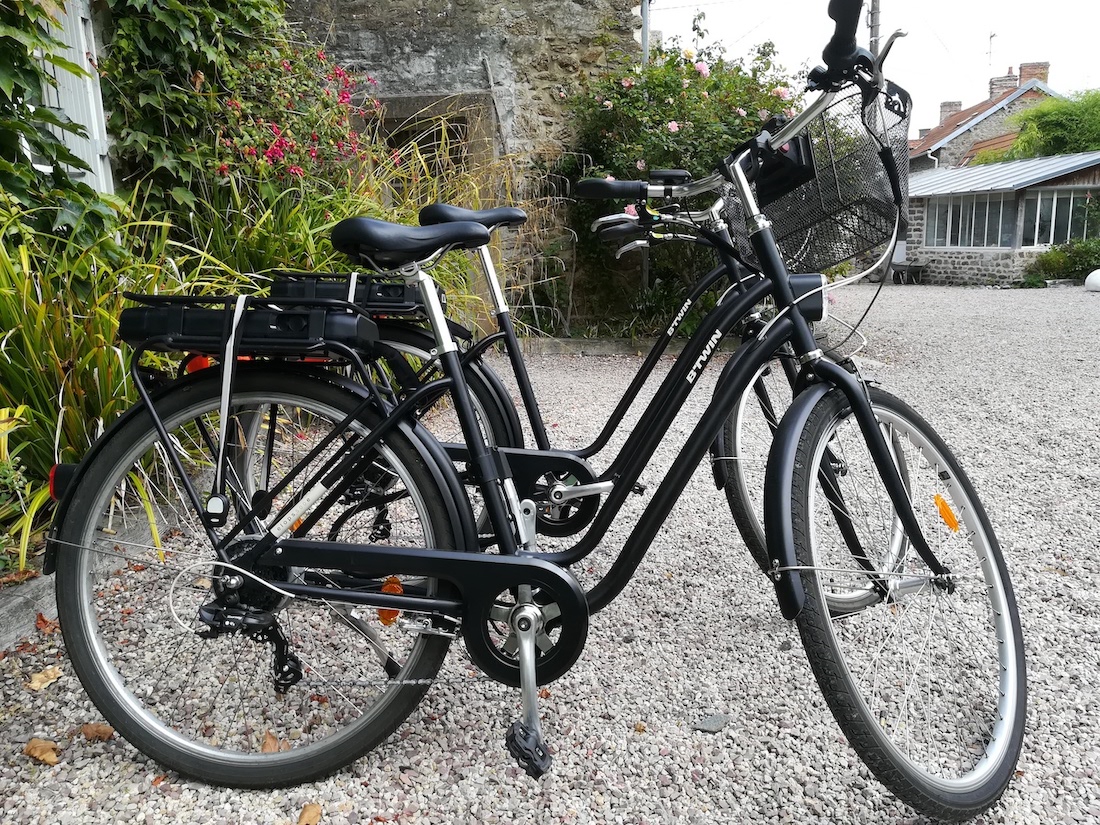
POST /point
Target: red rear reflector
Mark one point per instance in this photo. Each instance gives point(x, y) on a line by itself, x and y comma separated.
point(196, 363)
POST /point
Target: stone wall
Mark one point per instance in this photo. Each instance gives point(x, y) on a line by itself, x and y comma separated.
point(519, 56)
point(993, 126)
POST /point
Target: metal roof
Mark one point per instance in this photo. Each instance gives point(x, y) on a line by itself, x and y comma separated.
point(1009, 176)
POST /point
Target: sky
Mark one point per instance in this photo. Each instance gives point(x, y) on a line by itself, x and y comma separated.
point(946, 56)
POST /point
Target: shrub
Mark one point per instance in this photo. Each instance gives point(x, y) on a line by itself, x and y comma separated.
point(1073, 260)
point(682, 110)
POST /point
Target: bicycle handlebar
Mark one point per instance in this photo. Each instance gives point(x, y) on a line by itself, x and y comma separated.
point(842, 52)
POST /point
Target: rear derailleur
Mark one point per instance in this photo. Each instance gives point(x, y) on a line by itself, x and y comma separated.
point(259, 626)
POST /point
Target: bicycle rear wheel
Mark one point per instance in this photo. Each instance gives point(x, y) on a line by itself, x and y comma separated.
point(926, 679)
point(325, 681)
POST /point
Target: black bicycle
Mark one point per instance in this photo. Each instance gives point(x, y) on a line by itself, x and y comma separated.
point(260, 568)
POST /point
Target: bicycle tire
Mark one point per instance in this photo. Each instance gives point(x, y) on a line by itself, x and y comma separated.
point(209, 708)
point(945, 740)
point(746, 440)
point(494, 408)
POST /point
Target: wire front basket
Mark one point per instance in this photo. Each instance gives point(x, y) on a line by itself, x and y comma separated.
point(847, 207)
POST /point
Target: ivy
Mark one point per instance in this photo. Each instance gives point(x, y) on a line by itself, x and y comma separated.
point(35, 163)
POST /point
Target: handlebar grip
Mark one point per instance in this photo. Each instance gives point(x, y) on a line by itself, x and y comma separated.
point(597, 188)
point(842, 51)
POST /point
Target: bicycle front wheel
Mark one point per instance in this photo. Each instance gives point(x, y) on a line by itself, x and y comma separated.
point(311, 684)
point(926, 679)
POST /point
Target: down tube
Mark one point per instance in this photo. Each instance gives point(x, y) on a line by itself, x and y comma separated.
point(735, 380)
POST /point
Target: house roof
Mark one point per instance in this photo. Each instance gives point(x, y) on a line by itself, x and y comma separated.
point(1009, 176)
point(993, 144)
point(967, 119)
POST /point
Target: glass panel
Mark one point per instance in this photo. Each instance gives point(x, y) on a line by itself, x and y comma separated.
point(1031, 213)
point(1046, 215)
point(942, 213)
point(1008, 221)
point(966, 221)
point(1077, 216)
point(981, 210)
point(1061, 217)
point(953, 232)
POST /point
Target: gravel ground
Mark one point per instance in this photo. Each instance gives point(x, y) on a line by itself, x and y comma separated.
point(695, 638)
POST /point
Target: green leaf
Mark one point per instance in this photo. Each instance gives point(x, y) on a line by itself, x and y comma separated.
point(183, 196)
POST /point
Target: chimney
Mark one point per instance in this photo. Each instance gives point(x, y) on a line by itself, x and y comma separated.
point(949, 108)
point(1005, 83)
point(1034, 71)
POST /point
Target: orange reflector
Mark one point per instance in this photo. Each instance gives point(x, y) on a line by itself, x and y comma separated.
point(390, 585)
point(947, 514)
point(196, 363)
point(294, 527)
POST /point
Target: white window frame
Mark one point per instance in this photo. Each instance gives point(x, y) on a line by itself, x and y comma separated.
point(959, 216)
point(1077, 195)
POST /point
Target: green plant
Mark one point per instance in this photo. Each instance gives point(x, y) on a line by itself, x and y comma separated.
point(35, 163)
point(1058, 126)
point(681, 110)
point(1073, 260)
point(200, 91)
point(60, 365)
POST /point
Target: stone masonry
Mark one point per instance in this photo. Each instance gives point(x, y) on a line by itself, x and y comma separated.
point(517, 58)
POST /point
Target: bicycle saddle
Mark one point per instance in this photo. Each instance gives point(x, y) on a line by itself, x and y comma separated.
point(386, 245)
point(490, 218)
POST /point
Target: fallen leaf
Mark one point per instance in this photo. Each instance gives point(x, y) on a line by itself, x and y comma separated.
point(157, 780)
point(310, 815)
point(639, 727)
point(544, 693)
point(43, 678)
point(42, 751)
point(271, 743)
point(97, 731)
point(47, 626)
point(17, 576)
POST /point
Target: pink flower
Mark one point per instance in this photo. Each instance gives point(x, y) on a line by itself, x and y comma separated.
point(741, 112)
point(702, 68)
point(223, 169)
point(673, 126)
point(321, 55)
point(297, 171)
point(628, 83)
point(782, 92)
point(607, 104)
point(609, 177)
point(789, 112)
point(631, 209)
point(250, 151)
point(371, 81)
point(706, 94)
point(344, 98)
point(286, 65)
point(641, 165)
point(763, 114)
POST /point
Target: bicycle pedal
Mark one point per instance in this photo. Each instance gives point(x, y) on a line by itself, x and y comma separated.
point(528, 749)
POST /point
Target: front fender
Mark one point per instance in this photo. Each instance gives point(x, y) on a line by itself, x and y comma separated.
point(778, 490)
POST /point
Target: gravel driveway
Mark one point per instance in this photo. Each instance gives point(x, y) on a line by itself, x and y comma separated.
point(1011, 378)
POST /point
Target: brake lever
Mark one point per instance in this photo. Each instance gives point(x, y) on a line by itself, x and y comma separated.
point(884, 52)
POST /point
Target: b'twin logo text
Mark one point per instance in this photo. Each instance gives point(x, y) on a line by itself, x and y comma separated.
point(679, 317)
point(704, 356)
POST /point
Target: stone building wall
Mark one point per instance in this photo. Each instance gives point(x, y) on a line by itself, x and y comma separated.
point(511, 58)
point(993, 126)
point(972, 266)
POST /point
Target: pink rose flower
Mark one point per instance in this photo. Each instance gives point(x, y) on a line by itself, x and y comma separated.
point(673, 126)
point(609, 177)
point(628, 83)
point(631, 209)
point(741, 112)
point(782, 92)
point(702, 68)
point(607, 104)
point(641, 165)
